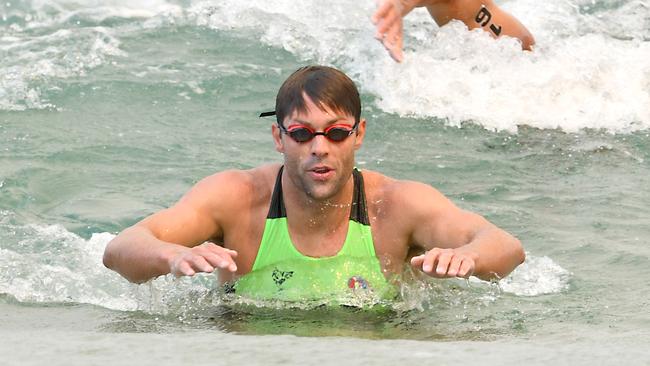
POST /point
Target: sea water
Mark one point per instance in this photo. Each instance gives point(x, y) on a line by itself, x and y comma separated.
point(111, 110)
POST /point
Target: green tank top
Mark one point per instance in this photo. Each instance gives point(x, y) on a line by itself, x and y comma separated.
point(281, 272)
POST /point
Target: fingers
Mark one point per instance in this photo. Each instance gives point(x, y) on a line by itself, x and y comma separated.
point(204, 258)
point(393, 42)
point(466, 269)
point(220, 260)
point(387, 21)
point(200, 264)
point(430, 258)
point(390, 31)
point(188, 264)
point(417, 261)
point(444, 263)
point(382, 11)
point(444, 259)
point(218, 256)
point(454, 266)
point(182, 269)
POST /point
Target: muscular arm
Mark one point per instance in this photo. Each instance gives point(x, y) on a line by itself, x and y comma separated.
point(483, 14)
point(168, 241)
point(458, 242)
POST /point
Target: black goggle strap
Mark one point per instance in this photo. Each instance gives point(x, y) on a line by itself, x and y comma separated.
point(356, 124)
point(282, 128)
point(267, 114)
point(272, 113)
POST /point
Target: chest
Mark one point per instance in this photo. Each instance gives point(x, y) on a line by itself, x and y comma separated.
point(246, 232)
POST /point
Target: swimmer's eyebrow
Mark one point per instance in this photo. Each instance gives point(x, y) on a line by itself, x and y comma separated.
point(329, 122)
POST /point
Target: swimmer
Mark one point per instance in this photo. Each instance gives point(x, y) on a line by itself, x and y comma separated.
point(484, 14)
point(280, 227)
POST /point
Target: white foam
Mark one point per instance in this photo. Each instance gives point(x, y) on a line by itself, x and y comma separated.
point(569, 86)
point(50, 264)
point(589, 69)
point(47, 263)
point(37, 62)
point(537, 276)
point(44, 47)
point(449, 73)
point(48, 13)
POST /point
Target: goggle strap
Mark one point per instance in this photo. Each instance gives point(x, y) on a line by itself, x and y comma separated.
point(267, 114)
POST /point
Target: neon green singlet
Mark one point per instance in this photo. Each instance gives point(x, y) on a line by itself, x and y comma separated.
point(281, 272)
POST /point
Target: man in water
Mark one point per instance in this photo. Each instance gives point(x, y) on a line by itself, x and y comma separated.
point(314, 224)
point(483, 14)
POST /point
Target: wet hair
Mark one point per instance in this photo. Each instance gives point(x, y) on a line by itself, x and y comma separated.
point(325, 86)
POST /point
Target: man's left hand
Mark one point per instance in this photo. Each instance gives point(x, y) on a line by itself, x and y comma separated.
point(445, 263)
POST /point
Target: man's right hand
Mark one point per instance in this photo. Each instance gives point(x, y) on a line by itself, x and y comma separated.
point(202, 258)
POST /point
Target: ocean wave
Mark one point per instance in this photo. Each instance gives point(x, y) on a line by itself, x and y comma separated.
point(459, 76)
point(45, 42)
point(449, 74)
point(36, 63)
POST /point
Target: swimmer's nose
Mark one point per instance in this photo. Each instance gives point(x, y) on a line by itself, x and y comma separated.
point(320, 145)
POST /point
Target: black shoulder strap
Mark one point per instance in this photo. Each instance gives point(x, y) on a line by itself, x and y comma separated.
point(359, 211)
point(277, 210)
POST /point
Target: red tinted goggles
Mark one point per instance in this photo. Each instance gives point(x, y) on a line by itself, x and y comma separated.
point(334, 133)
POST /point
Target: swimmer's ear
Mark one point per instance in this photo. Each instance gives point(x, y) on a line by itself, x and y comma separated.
point(277, 138)
point(361, 133)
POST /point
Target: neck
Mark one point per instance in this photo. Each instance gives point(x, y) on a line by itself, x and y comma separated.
point(311, 216)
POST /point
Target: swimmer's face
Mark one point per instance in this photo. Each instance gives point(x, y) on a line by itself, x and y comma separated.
point(319, 167)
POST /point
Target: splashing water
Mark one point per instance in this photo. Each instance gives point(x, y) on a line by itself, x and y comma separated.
point(51, 264)
point(448, 73)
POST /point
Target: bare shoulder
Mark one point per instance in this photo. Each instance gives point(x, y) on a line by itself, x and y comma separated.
point(405, 197)
point(233, 188)
point(381, 186)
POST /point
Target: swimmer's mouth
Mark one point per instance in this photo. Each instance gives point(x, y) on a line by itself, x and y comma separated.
point(321, 171)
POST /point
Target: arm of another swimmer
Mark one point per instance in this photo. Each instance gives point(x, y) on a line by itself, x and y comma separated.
point(170, 241)
point(483, 14)
point(458, 243)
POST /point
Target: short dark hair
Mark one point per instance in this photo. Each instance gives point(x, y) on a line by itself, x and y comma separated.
point(325, 86)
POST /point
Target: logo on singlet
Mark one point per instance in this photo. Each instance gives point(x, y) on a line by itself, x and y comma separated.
point(356, 282)
point(280, 276)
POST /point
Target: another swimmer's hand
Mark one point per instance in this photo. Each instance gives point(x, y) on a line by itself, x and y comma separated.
point(445, 263)
point(203, 258)
point(388, 19)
